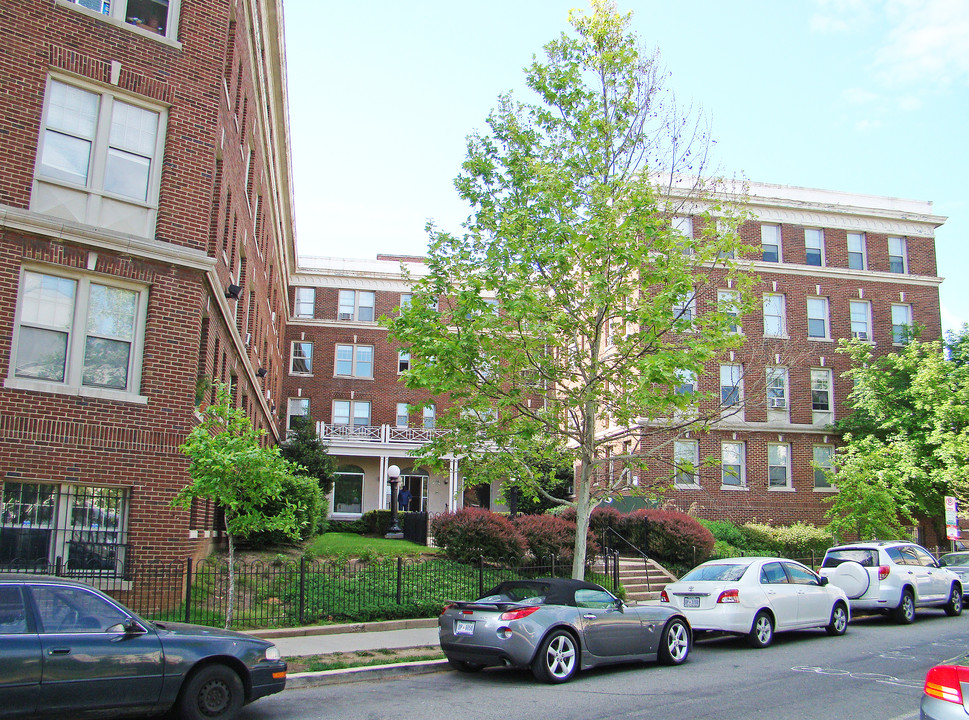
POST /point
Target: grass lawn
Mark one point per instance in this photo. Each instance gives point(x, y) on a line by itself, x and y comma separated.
point(337, 544)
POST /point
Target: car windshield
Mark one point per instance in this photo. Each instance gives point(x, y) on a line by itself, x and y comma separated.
point(954, 559)
point(862, 556)
point(718, 571)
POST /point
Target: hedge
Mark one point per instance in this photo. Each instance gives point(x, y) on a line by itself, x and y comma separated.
point(471, 533)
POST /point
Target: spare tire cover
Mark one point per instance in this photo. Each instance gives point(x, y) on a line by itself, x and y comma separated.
point(852, 578)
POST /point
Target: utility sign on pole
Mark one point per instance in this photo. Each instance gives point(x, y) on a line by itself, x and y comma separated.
point(951, 518)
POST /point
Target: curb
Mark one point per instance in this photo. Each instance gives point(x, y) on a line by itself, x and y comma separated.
point(308, 630)
point(297, 681)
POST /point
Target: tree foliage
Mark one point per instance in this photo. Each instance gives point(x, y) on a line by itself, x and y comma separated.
point(562, 302)
point(304, 447)
point(229, 466)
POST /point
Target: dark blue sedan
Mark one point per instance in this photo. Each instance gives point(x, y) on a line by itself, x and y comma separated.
point(66, 648)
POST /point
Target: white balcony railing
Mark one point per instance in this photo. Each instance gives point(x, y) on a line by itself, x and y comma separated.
point(387, 434)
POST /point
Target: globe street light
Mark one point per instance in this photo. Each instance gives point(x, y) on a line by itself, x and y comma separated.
point(393, 475)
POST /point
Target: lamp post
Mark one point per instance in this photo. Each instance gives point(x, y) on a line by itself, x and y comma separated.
point(393, 475)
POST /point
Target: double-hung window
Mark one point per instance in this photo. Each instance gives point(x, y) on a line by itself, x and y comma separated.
point(731, 388)
point(686, 461)
point(817, 317)
point(776, 388)
point(687, 382)
point(403, 415)
point(79, 333)
point(403, 361)
point(822, 403)
point(683, 226)
point(778, 465)
point(897, 256)
point(356, 305)
point(104, 147)
point(901, 323)
point(351, 412)
point(155, 16)
point(354, 361)
point(823, 466)
point(857, 255)
point(732, 464)
point(430, 416)
point(305, 302)
point(860, 313)
point(301, 358)
point(296, 407)
point(814, 246)
point(775, 316)
point(728, 302)
point(684, 310)
point(770, 242)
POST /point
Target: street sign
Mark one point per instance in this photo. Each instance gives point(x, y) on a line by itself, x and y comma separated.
point(951, 518)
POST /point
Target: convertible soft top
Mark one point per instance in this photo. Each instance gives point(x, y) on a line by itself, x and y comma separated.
point(556, 591)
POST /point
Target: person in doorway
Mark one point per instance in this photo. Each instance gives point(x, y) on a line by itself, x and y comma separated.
point(403, 499)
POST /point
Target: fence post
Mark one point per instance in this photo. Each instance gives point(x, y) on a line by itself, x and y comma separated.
point(813, 563)
point(615, 569)
point(400, 580)
point(188, 589)
point(302, 589)
point(553, 566)
point(480, 575)
point(694, 556)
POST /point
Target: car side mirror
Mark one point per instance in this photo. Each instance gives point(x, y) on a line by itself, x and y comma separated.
point(620, 605)
point(823, 580)
point(133, 627)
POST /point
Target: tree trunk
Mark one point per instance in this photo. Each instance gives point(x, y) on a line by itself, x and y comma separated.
point(582, 515)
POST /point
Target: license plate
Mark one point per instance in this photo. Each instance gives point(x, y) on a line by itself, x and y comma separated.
point(463, 627)
point(691, 601)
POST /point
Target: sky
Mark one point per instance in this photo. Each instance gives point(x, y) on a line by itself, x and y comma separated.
point(860, 96)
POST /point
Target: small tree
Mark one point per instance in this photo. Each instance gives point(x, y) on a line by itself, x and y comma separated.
point(229, 466)
point(304, 447)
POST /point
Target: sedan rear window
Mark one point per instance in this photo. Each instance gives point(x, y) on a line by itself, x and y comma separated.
point(725, 572)
point(862, 556)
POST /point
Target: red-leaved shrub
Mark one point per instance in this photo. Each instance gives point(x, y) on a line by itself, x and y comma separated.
point(673, 536)
point(548, 535)
point(471, 533)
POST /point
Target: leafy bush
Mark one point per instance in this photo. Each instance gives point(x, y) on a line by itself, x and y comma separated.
point(548, 535)
point(602, 517)
point(376, 522)
point(723, 549)
point(304, 493)
point(760, 539)
point(797, 540)
point(675, 536)
point(471, 533)
point(727, 532)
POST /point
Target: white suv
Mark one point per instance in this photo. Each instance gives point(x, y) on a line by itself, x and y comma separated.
point(892, 577)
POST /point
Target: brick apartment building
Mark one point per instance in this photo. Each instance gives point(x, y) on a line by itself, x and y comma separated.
point(145, 238)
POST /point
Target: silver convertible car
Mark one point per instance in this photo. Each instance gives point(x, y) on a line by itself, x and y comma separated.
point(557, 627)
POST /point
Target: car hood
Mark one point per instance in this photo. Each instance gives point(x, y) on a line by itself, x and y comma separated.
point(188, 630)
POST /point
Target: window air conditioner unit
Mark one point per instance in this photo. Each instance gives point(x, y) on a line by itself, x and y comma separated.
point(248, 339)
point(859, 335)
point(777, 403)
point(345, 316)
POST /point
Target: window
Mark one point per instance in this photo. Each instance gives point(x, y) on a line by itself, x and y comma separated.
point(100, 143)
point(686, 460)
point(778, 465)
point(85, 526)
point(684, 226)
point(897, 260)
point(348, 489)
point(817, 317)
point(405, 300)
point(78, 333)
point(823, 466)
point(305, 302)
point(731, 389)
point(684, 310)
point(301, 358)
point(728, 302)
point(813, 247)
point(356, 305)
point(821, 402)
point(776, 388)
point(156, 16)
point(860, 312)
point(403, 361)
point(775, 316)
point(901, 323)
point(342, 410)
point(733, 472)
point(430, 416)
point(403, 415)
point(687, 382)
point(354, 361)
point(13, 612)
point(297, 407)
point(770, 242)
point(857, 255)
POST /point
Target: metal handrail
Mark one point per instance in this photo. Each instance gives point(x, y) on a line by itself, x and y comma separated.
point(605, 541)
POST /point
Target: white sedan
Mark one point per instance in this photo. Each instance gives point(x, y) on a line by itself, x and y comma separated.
point(756, 596)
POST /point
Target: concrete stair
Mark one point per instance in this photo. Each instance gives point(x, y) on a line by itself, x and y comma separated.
point(642, 581)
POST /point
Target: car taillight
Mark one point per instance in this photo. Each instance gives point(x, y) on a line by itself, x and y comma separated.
point(519, 613)
point(447, 607)
point(883, 571)
point(729, 596)
point(663, 597)
point(944, 682)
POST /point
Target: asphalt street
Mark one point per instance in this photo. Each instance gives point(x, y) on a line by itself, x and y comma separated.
point(876, 670)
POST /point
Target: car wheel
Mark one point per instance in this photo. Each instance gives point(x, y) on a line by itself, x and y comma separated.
point(762, 631)
point(905, 612)
point(214, 692)
point(954, 606)
point(839, 620)
point(557, 659)
point(675, 645)
point(464, 666)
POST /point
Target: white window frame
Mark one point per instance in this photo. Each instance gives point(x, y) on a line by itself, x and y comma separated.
point(116, 13)
point(686, 450)
point(732, 382)
point(859, 315)
point(430, 416)
point(814, 240)
point(684, 310)
point(403, 361)
point(304, 305)
point(683, 225)
point(728, 301)
point(779, 466)
point(687, 382)
point(822, 381)
point(777, 380)
point(296, 407)
point(341, 476)
point(898, 332)
point(822, 466)
point(77, 335)
point(770, 236)
point(778, 313)
point(821, 304)
point(352, 305)
point(304, 356)
point(405, 300)
point(359, 366)
point(739, 448)
point(354, 412)
point(403, 415)
point(860, 249)
point(897, 248)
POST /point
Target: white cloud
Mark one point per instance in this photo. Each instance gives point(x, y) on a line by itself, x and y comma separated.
point(867, 125)
point(859, 96)
point(842, 16)
point(926, 45)
point(909, 103)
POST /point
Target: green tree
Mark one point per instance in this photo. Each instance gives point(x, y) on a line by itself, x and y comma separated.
point(570, 299)
point(907, 437)
point(304, 447)
point(229, 465)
